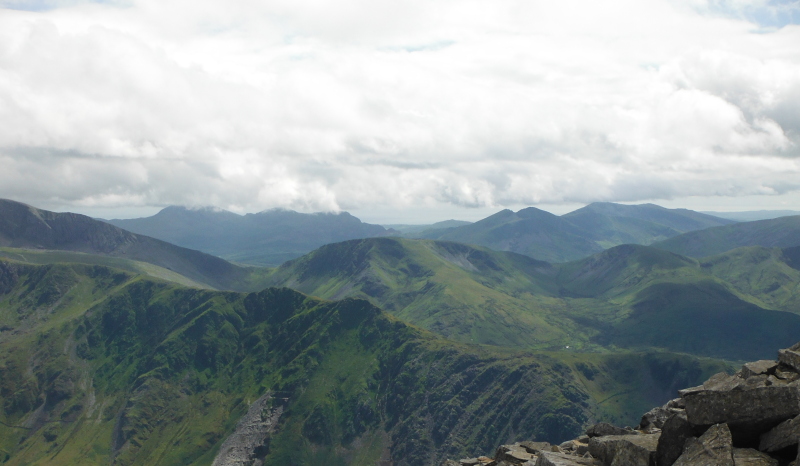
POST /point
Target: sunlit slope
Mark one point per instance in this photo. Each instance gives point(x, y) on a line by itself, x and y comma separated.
point(629, 296)
point(23, 226)
point(468, 293)
point(98, 364)
point(783, 232)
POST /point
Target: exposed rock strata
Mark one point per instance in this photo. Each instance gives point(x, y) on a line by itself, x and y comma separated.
point(243, 447)
point(751, 418)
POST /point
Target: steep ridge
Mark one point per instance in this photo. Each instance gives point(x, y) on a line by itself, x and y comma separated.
point(580, 233)
point(265, 238)
point(100, 366)
point(23, 226)
point(783, 232)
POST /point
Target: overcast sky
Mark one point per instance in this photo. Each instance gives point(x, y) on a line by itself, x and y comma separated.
point(399, 110)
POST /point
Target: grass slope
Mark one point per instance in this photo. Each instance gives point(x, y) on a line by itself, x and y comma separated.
point(783, 232)
point(613, 299)
point(98, 365)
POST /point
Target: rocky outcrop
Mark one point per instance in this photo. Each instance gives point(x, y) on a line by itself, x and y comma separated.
point(247, 444)
point(751, 418)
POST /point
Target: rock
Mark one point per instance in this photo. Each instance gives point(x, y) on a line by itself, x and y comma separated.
point(555, 449)
point(715, 447)
point(449, 463)
point(604, 428)
point(677, 403)
point(560, 459)
point(746, 406)
point(567, 446)
point(790, 357)
point(515, 454)
point(535, 447)
point(750, 457)
point(786, 373)
point(580, 447)
point(469, 462)
point(252, 431)
point(758, 368)
point(654, 419)
point(486, 461)
point(783, 435)
point(635, 449)
point(673, 437)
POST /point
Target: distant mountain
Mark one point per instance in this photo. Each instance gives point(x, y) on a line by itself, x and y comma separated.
point(783, 232)
point(23, 226)
point(430, 231)
point(265, 238)
point(98, 366)
point(629, 296)
point(753, 215)
point(578, 234)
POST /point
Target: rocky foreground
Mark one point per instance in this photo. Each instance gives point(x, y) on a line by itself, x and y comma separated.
point(750, 418)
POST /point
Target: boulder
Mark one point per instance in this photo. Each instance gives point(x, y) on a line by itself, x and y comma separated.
point(790, 357)
point(783, 435)
point(515, 454)
point(655, 418)
point(604, 428)
point(560, 459)
point(674, 434)
point(758, 368)
point(715, 447)
point(750, 457)
point(535, 447)
point(634, 450)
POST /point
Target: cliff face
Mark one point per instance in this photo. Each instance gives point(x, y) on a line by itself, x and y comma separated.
point(748, 418)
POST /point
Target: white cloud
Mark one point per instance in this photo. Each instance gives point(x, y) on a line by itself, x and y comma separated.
point(375, 104)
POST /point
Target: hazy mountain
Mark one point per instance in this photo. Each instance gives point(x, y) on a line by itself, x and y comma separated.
point(429, 231)
point(265, 238)
point(23, 226)
point(630, 296)
point(99, 366)
point(753, 215)
point(783, 232)
point(578, 234)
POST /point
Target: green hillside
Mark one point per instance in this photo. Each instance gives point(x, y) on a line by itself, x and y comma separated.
point(23, 226)
point(783, 232)
point(100, 366)
point(629, 296)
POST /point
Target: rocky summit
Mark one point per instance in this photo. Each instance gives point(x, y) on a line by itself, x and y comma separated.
point(749, 418)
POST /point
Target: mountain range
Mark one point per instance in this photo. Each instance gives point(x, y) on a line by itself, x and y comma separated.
point(266, 238)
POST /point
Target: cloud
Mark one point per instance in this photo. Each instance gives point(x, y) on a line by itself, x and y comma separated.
point(362, 104)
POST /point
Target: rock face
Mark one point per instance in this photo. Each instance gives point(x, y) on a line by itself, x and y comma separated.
point(252, 432)
point(751, 418)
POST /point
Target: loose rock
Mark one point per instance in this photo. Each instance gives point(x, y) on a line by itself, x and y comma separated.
point(715, 447)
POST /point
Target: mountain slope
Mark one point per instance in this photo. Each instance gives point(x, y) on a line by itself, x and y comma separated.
point(265, 238)
point(100, 366)
point(23, 226)
point(468, 293)
point(783, 232)
point(580, 233)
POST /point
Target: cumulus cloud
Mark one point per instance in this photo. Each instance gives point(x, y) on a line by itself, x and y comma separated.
point(359, 104)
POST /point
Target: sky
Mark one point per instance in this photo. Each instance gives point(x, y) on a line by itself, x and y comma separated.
point(399, 111)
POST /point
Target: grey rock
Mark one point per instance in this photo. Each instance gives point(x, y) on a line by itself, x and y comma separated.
point(251, 432)
point(449, 463)
point(745, 406)
point(714, 448)
point(535, 447)
point(580, 447)
point(783, 435)
point(786, 373)
point(758, 368)
point(638, 448)
point(560, 459)
point(674, 434)
point(514, 454)
point(655, 418)
point(568, 446)
point(750, 457)
point(790, 357)
point(604, 428)
point(469, 461)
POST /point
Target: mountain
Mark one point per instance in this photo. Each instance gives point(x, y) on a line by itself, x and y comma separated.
point(101, 366)
point(23, 226)
point(783, 232)
point(265, 238)
point(430, 231)
point(533, 232)
point(629, 296)
point(753, 215)
point(580, 233)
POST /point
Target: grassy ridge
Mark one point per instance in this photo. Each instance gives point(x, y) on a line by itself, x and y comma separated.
point(99, 364)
